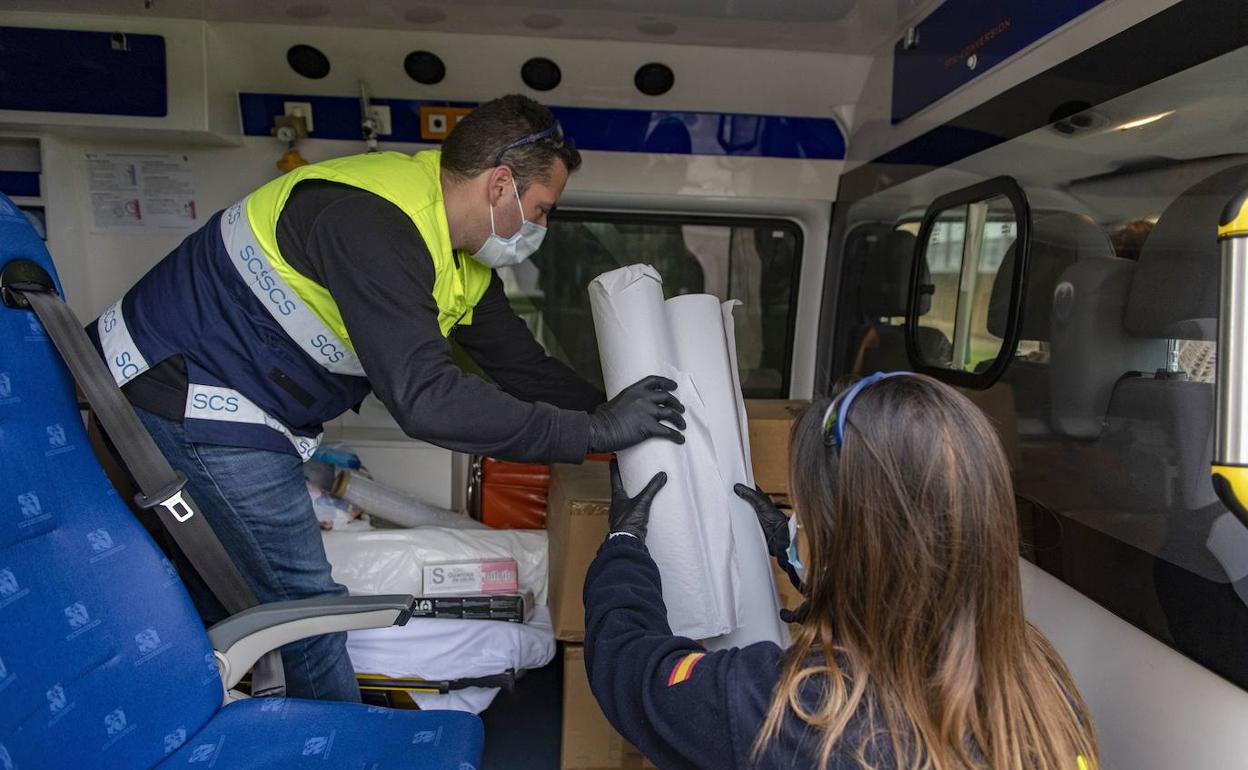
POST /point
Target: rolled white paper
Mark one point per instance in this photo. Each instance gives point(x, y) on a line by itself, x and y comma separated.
point(717, 582)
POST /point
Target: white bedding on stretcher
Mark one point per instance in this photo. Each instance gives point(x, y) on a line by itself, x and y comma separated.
point(438, 648)
point(391, 561)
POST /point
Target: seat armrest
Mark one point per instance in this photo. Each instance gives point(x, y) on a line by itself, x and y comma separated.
point(240, 640)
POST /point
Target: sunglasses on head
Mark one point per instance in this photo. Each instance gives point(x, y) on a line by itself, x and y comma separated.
point(554, 134)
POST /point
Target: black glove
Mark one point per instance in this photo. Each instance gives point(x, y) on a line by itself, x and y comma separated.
point(774, 523)
point(631, 515)
point(634, 414)
point(796, 616)
point(775, 527)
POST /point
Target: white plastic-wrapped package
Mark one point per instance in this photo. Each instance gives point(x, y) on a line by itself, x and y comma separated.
point(390, 504)
point(440, 648)
point(717, 582)
point(391, 561)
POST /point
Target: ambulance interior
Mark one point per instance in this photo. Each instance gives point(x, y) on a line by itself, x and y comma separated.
point(909, 184)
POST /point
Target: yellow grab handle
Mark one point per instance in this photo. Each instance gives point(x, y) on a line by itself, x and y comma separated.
point(1231, 484)
point(1234, 219)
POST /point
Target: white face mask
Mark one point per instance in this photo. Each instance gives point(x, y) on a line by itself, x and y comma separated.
point(498, 251)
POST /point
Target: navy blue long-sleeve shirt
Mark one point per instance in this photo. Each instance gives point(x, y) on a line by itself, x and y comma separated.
point(365, 251)
point(681, 705)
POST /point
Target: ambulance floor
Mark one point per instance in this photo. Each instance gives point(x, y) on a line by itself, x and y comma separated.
point(522, 729)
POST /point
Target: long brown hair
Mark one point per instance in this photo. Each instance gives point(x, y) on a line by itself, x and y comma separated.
point(916, 630)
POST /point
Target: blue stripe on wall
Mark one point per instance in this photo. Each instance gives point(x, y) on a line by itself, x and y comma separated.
point(16, 183)
point(619, 130)
point(990, 30)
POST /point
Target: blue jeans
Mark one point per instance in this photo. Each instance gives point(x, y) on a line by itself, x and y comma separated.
point(259, 508)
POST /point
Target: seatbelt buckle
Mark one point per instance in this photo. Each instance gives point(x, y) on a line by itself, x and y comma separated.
point(170, 498)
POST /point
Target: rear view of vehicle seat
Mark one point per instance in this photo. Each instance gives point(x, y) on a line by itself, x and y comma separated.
point(1163, 420)
point(1090, 348)
point(883, 294)
point(103, 659)
point(1058, 240)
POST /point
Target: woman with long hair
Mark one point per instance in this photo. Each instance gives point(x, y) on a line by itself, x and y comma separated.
point(912, 650)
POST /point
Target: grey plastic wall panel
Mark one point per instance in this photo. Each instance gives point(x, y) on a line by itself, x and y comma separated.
point(1154, 708)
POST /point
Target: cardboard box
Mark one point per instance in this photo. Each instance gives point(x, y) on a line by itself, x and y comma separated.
point(576, 525)
point(589, 742)
point(770, 426)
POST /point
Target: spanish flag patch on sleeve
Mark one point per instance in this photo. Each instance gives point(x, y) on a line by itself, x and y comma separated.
point(684, 668)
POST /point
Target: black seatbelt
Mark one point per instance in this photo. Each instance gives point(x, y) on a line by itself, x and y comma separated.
point(163, 488)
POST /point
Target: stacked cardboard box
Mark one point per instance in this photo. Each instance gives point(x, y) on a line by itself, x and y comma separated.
point(576, 524)
point(589, 741)
point(770, 426)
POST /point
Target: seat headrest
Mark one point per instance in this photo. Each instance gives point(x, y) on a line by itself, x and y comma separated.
point(1058, 238)
point(1175, 290)
point(885, 287)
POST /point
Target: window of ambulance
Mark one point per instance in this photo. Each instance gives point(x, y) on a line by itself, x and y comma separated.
point(753, 261)
point(1106, 406)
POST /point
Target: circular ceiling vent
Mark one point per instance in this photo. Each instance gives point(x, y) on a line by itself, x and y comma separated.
point(654, 79)
point(540, 74)
point(424, 67)
point(308, 61)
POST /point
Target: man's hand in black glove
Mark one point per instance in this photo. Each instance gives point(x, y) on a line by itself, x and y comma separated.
point(634, 415)
point(775, 527)
point(631, 515)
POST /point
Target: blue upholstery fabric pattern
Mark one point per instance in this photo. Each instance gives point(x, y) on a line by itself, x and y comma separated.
point(103, 659)
point(294, 733)
point(95, 626)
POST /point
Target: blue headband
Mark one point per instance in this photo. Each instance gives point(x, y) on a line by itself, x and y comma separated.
point(836, 436)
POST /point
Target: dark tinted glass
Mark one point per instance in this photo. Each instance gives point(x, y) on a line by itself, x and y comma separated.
point(1106, 409)
point(754, 261)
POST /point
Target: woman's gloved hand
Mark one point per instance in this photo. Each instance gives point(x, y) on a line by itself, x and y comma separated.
point(631, 515)
point(798, 615)
point(773, 521)
point(775, 526)
point(634, 415)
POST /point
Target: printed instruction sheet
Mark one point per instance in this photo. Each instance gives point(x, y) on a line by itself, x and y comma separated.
point(134, 193)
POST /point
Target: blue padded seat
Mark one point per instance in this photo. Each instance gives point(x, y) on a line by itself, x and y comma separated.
point(289, 733)
point(103, 659)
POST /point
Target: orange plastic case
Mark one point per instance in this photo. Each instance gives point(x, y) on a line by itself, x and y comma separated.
point(515, 495)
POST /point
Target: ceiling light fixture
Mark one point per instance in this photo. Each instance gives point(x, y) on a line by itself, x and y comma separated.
point(1144, 121)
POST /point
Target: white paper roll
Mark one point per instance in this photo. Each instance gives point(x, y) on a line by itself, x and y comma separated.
point(706, 541)
point(631, 326)
point(634, 342)
point(704, 342)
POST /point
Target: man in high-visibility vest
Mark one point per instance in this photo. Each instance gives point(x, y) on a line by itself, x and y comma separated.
point(343, 278)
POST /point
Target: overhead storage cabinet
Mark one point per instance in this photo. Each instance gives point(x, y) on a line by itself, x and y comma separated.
point(112, 77)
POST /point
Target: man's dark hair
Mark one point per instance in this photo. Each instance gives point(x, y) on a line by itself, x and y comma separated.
point(476, 141)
